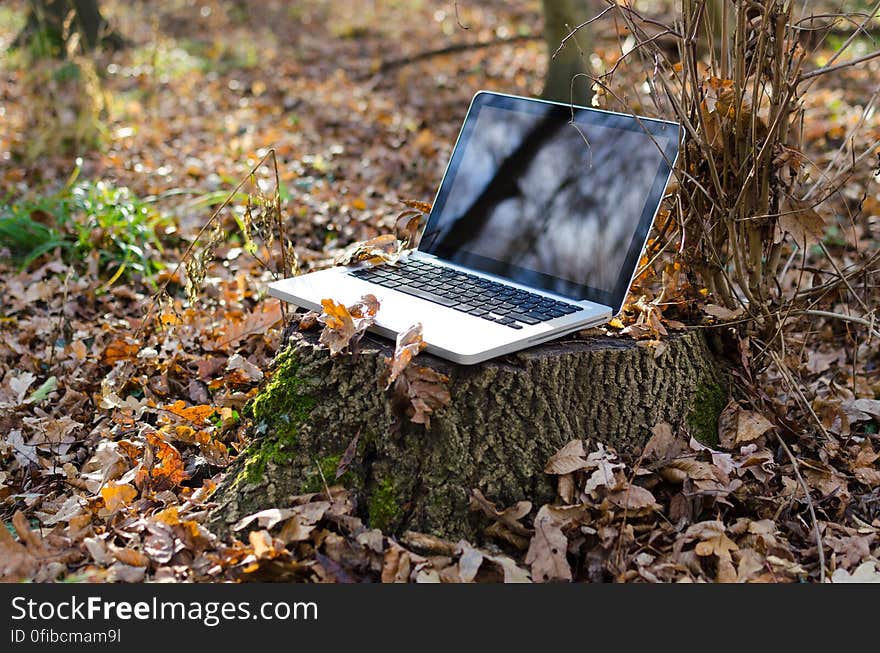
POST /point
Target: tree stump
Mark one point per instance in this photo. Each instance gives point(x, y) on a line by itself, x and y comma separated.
point(505, 419)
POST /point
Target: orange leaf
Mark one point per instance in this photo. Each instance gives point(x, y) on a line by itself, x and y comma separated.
point(422, 207)
point(195, 414)
point(117, 495)
point(131, 557)
point(168, 467)
point(119, 350)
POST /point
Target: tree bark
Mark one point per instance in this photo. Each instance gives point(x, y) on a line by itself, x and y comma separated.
point(505, 419)
point(562, 83)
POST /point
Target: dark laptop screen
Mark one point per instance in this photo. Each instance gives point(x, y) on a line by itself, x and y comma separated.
point(555, 203)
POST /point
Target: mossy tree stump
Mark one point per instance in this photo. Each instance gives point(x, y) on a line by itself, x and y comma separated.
point(505, 419)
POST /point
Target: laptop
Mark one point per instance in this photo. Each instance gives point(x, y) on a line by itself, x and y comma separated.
point(535, 232)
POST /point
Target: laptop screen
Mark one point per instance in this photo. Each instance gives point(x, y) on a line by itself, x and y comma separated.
point(551, 196)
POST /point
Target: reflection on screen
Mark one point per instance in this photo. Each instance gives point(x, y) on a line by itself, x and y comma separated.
point(535, 194)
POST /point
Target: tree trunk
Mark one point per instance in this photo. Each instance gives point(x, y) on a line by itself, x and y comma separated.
point(561, 83)
point(505, 419)
point(50, 24)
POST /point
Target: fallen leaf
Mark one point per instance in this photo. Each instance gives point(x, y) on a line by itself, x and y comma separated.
point(168, 467)
point(568, 459)
point(117, 495)
point(19, 386)
point(547, 550)
point(251, 372)
point(633, 497)
point(196, 414)
point(738, 426)
point(866, 572)
point(119, 350)
point(131, 557)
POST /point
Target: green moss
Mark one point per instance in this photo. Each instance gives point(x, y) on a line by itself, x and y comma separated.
point(315, 482)
point(384, 509)
point(278, 411)
point(708, 402)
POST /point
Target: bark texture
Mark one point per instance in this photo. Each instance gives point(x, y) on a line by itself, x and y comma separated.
point(505, 419)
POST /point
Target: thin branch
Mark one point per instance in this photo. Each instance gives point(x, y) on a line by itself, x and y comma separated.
point(846, 64)
point(810, 507)
point(391, 64)
point(870, 324)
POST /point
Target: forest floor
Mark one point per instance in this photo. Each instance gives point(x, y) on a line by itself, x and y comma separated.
point(120, 412)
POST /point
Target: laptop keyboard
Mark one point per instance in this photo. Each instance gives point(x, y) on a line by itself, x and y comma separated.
point(467, 293)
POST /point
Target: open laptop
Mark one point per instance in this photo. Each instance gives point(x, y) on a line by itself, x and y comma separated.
point(535, 232)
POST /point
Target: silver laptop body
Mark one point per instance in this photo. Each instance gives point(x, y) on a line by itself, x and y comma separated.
point(536, 231)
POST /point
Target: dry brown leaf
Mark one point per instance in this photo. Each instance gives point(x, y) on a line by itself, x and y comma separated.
point(509, 517)
point(663, 444)
point(131, 557)
point(409, 344)
point(633, 497)
point(421, 207)
point(344, 326)
point(396, 564)
point(382, 249)
point(738, 426)
point(803, 222)
point(680, 469)
point(547, 550)
point(722, 313)
point(568, 459)
point(119, 350)
point(423, 391)
point(309, 320)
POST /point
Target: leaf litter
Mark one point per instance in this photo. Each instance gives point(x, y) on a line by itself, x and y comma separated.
point(117, 429)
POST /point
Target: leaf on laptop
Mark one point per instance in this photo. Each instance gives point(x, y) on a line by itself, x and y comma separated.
point(407, 227)
point(343, 326)
point(421, 207)
point(366, 308)
point(376, 251)
point(409, 344)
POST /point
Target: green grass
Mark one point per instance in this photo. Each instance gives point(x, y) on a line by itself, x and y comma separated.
point(80, 219)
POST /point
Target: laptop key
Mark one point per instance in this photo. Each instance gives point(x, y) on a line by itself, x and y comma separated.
point(431, 297)
point(525, 319)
